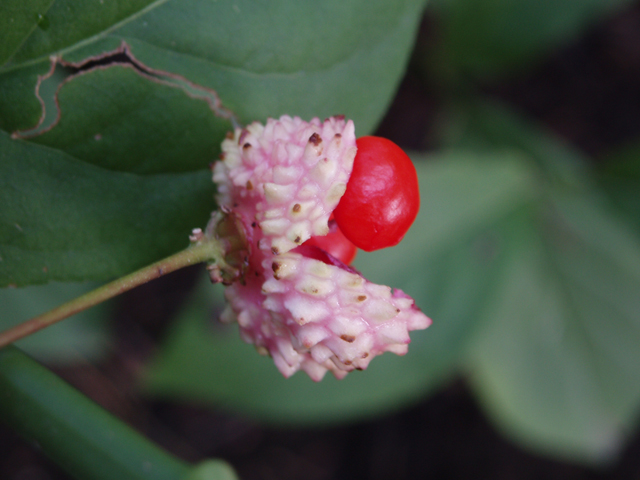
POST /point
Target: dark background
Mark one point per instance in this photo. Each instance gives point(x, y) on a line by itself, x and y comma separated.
point(589, 94)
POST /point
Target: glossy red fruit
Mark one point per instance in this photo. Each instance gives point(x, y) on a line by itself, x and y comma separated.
point(382, 197)
point(335, 244)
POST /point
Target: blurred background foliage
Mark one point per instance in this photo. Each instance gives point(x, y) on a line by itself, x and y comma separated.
point(526, 252)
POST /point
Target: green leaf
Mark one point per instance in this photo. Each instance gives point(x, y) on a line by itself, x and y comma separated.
point(452, 249)
point(62, 219)
point(263, 59)
point(489, 37)
point(81, 437)
point(71, 21)
point(556, 365)
point(81, 337)
point(18, 19)
point(119, 119)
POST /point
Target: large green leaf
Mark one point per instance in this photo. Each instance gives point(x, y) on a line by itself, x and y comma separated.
point(447, 262)
point(557, 364)
point(82, 337)
point(485, 37)
point(263, 58)
point(63, 219)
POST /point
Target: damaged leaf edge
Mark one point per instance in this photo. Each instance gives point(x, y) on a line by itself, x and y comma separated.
point(102, 62)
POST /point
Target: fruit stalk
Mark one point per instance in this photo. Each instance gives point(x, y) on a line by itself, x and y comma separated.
point(206, 250)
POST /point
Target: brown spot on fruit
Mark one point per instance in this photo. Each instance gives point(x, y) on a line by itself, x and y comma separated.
point(249, 185)
point(275, 250)
point(246, 146)
point(348, 338)
point(297, 240)
point(275, 266)
point(315, 139)
point(361, 298)
point(296, 208)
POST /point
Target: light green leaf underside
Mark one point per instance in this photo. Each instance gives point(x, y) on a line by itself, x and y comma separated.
point(557, 364)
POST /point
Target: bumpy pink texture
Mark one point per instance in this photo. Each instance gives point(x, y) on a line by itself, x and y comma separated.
point(287, 176)
point(283, 180)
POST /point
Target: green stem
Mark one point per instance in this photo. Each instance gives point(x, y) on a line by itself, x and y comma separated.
point(207, 250)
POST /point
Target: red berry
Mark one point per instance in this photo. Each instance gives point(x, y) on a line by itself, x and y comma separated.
point(382, 198)
point(335, 244)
